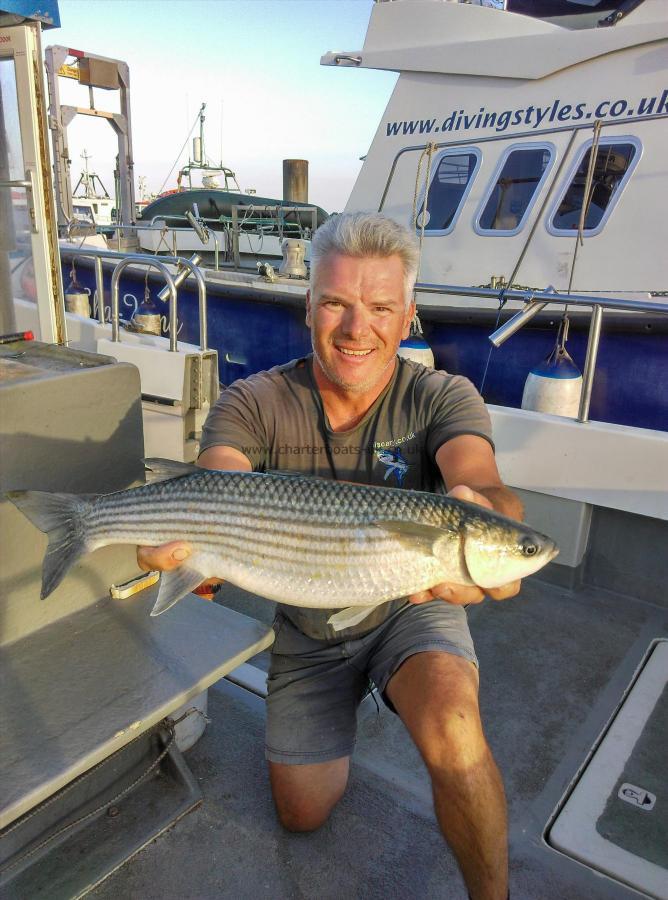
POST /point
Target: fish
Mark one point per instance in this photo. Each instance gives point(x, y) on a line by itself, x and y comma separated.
point(292, 538)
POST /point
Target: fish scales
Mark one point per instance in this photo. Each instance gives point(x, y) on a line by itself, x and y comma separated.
point(238, 503)
point(267, 527)
point(278, 546)
point(296, 539)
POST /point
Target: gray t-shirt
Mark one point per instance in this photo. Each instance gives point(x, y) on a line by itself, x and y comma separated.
point(277, 420)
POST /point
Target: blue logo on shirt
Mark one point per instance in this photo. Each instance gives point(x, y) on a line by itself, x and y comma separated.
point(396, 464)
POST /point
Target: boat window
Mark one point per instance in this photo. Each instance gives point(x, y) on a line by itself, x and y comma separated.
point(515, 186)
point(453, 174)
point(615, 160)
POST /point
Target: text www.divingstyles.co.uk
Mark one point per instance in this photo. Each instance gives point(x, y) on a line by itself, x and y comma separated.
point(530, 116)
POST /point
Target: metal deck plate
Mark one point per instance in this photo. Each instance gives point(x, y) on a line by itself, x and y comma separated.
point(616, 819)
point(62, 849)
point(75, 692)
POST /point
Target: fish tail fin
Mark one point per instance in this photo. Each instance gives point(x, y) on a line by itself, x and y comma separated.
point(60, 517)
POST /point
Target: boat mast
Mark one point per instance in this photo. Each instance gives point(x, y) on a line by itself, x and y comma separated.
point(201, 134)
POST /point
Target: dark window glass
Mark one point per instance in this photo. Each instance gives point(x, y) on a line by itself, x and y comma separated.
point(612, 162)
point(447, 188)
point(515, 189)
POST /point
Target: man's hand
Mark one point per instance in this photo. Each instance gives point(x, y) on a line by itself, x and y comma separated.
point(463, 594)
point(170, 556)
point(163, 558)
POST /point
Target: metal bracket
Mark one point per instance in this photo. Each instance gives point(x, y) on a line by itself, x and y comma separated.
point(347, 57)
point(196, 387)
point(29, 186)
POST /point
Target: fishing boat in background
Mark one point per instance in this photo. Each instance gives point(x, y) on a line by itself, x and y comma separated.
point(204, 218)
point(91, 203)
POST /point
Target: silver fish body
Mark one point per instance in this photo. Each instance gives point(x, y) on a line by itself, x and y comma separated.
point(294, 539)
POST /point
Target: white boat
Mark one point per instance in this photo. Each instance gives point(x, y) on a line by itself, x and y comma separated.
point(503, 110)
point(91, 203)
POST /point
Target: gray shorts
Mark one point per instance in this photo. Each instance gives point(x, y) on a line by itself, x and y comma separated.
point(314, 687)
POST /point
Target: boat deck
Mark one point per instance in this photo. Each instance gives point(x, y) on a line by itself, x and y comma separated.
point(555, 664)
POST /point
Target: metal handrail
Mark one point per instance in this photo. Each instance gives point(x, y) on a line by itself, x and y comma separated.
point(538, 300)
point(98, 254)
point(549, 296)
point(115, 278)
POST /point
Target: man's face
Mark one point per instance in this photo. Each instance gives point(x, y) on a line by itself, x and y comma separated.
point(358, 317)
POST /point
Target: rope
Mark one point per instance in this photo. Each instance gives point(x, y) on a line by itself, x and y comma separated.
point(586, 199)
point(502, 303)
point(539, 215)
point(562, 334)
point(180, 152)
point(428, 152)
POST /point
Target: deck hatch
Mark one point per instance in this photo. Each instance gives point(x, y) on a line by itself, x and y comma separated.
point(616, 817)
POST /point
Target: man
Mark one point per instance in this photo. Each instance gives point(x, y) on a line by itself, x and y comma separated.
point(355, 411)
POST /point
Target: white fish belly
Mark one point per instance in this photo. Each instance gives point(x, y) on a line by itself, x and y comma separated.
point(321, 580)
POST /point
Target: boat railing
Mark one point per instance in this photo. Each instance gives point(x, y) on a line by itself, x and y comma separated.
point(234, 224)
point(144, 260)
point(275, 210)
point(150, 226)
point(535, 301)
point(242, 214)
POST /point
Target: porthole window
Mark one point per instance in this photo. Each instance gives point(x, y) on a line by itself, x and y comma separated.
point(514, 188)
point(615, 160)
point(452, 176)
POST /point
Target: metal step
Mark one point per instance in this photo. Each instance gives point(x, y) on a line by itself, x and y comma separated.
point(71, 842)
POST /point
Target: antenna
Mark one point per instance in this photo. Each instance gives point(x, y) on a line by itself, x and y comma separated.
point(85, 175)
point(201, 133)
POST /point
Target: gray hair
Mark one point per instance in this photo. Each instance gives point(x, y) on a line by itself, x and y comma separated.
point(364, 234)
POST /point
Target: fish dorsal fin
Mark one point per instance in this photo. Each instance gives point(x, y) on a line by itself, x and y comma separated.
point(174, 585)
point(414, 535)
point(352, 615)
point(161, 469)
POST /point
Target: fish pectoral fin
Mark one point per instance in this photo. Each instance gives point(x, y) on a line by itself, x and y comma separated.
point(157, 469)
point(175, 585)
point(352, 615)
point(413, 535)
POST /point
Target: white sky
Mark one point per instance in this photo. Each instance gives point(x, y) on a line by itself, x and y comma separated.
point(256, 65)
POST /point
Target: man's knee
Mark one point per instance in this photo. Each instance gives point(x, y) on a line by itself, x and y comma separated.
point(455, 745)
point(444, 721)
point(306, 795)
point(297, 818)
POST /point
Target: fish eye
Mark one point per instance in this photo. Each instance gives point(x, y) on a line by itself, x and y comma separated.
point(528, 547)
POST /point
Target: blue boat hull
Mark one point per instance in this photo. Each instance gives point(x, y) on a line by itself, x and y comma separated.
point(253, 334)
